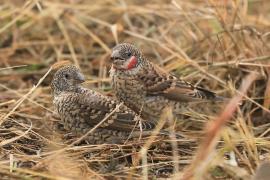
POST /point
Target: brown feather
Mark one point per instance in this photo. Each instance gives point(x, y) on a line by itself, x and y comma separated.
point(158, 82)
point(93, 107)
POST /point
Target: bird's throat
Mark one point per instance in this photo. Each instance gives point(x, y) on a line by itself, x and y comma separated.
point(132, 63)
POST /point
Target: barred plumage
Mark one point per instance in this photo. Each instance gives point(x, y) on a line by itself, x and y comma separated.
point(81, 109)
point(146, 88)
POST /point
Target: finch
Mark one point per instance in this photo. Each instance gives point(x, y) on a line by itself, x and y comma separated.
point(148, 89)
point(81, 109)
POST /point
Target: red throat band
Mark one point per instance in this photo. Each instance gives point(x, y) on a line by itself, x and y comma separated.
point(132, 62)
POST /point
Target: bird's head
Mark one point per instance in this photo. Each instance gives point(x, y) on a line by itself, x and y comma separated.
point(126, 57)
point(67, 78)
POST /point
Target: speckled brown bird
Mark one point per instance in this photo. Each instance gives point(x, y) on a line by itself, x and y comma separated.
point(81, 109)
point(146, 88)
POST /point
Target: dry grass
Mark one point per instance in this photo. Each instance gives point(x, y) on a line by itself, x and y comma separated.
point(212, 43)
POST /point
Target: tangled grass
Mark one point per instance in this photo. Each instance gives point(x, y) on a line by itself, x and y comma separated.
point(221, 45)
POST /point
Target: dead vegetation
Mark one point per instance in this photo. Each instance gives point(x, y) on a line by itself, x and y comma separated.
point(221, 45)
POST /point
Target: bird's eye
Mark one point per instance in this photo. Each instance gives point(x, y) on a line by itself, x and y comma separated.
point(128, 54)
point(67, 76)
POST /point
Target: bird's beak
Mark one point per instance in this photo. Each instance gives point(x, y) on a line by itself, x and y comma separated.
point(115, 55)
point(80, 78)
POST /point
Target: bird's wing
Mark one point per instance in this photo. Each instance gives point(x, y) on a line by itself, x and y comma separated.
point(94, 107)
point(157, 82)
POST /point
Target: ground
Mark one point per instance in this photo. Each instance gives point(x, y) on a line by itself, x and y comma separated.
point(220, 45)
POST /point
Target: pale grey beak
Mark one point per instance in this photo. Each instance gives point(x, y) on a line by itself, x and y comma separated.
point(115, 55)
point(80, 78)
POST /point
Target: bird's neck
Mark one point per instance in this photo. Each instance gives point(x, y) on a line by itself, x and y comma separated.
point(75, 89)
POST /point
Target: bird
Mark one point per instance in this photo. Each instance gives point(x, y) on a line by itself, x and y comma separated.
point(80, 109)
point(147, 88)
